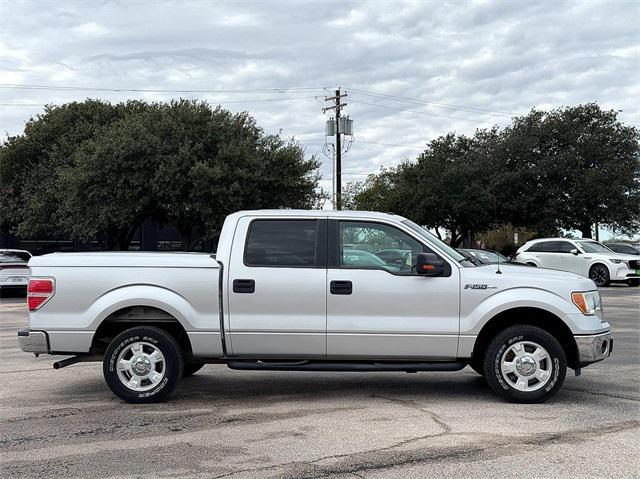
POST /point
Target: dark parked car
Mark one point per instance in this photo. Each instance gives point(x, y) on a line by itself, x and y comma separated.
point(624, 248)
point(486, 256)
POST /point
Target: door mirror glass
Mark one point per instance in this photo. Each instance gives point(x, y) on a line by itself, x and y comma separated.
point(428, 264)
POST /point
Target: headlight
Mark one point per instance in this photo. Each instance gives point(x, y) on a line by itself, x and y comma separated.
point(616, 261)
point(588, 302)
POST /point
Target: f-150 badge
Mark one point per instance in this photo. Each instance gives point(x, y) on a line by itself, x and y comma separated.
point(479, 286)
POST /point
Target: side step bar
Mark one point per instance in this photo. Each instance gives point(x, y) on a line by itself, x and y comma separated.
point(356, 366)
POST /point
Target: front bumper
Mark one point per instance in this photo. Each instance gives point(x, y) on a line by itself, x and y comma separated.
point(33, 341)
point(622, 272)
point(594, 347)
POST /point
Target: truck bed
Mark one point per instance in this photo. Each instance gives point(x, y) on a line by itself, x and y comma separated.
point(92, 287)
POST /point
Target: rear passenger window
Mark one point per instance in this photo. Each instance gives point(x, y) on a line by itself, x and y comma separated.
point(537, 247)
point(563, 247)
point(558, 247)
point(289, 243)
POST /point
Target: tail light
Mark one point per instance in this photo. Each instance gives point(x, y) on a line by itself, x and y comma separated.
point(39, 291)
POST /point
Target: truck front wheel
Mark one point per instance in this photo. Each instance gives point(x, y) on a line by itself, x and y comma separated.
point(143, 365)
point(525, 364)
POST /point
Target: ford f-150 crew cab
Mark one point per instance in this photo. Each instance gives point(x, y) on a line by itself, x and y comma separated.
point(307, 291)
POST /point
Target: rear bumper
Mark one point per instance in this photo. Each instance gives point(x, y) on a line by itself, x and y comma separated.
point(14, 281)
point(594, 347)
point(33, 341)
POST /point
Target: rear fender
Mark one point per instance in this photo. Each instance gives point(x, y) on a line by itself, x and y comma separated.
point(142, 295)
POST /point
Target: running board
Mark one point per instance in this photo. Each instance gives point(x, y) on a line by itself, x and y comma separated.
point(353, 366)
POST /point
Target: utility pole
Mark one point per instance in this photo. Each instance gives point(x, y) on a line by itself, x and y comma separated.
point(338, 148)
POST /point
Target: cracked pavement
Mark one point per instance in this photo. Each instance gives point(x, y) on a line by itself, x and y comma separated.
point(245, 424)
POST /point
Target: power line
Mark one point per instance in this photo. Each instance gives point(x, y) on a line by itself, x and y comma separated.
point(23, 104)
point(20, 86)
point(436, 104)
point(377, 105)
point(366, 143)
point(217, 102)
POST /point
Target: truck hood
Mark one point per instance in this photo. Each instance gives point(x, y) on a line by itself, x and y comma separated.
point(514, 276)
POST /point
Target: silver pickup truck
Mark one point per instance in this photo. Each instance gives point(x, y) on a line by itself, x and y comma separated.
point(313, 291)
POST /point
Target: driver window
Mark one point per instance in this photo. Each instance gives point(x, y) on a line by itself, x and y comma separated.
point(377, 246)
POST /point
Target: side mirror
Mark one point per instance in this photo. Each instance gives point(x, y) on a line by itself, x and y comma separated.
point(575, 251)
point(428, 264)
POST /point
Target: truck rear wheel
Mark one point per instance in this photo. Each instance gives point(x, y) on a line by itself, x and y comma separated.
point(143, 365)
point(525, 364)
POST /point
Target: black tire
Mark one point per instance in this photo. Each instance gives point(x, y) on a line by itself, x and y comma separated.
point(532, 264)
point(191, 367)
point(172, 366)
point(499, 346)
point(599, 274)
point(633, 282)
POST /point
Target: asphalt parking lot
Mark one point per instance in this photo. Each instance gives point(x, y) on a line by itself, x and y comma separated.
point(223, 423)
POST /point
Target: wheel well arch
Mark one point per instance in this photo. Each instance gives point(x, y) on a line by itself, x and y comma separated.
point(132, 316)
point(599, 262)
point(530, 316)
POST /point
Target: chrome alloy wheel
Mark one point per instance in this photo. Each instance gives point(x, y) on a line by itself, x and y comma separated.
point(141, 366)
point(526, 366)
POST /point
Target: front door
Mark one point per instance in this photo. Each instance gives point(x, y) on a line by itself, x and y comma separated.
point(377, 306)
point(277, 288)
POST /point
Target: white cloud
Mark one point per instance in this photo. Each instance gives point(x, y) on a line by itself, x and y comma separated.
point(500, 56)
point(90, 29)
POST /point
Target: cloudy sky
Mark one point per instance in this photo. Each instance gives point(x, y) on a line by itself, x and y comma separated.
point(412, 70)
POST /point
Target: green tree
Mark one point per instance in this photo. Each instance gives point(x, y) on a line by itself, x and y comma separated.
point(570, 168)
point(183, 163)
point(547, 171)
point(29, 186)
point(449, 186)
point(107, 192)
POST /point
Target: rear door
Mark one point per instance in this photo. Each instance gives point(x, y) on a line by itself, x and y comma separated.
point(558, 256)
point(377, 306)
point(277, 287)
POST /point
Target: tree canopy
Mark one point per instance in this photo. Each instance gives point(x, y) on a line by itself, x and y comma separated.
point(96, 170)
point(564, 169)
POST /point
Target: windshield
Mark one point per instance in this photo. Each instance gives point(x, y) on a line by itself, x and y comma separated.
point(431, 238)
point(23, 255)
point(485, 256)
point(7, 258)
point(594, 247)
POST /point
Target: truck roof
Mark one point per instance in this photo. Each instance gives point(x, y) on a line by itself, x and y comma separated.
point(320, 213)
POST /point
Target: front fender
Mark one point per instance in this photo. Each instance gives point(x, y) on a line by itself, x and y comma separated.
point(481, 311)
point(473, 319)
point(529, 297)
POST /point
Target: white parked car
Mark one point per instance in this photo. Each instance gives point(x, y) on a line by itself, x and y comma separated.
point(14, 272)
point(585, 257)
